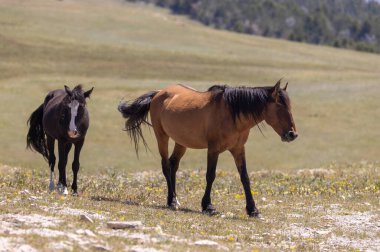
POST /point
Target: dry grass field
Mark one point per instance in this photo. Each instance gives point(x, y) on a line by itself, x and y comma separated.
point(331, 209)
point(125, 50)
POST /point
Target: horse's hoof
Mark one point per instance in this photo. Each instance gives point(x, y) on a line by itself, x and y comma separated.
point(51, 187)
point(210, 210)
point(59, 187)
point(173, 206)
point(254, 213)
point(62, 189)
point(75, 194)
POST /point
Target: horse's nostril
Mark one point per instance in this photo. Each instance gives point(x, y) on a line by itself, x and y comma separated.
point(293, 134)
point(73, 133)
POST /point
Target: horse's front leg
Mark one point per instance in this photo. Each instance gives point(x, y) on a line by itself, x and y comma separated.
point(50, 143)
point(239, 156)
point(75, 166)
point(63, 149)
point(212, 160)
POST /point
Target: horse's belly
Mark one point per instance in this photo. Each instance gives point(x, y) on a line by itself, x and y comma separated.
point(190, 142)
point(186, 131)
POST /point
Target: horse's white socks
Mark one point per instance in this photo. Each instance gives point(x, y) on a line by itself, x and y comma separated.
point(65, 192)
point(62, 189)
point(176, 199)
point(74, 105)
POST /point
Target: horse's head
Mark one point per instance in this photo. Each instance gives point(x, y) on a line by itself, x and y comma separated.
point(278, 113)
point(74, 110)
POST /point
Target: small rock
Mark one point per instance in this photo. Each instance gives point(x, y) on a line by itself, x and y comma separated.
point(86, 232)
point(323, 232)
point(206, 243)
point(26, 248)
point(101, 248)
point(263, 199)
point(86, 218)
point(142, 249)
point(26, 192)
point(60, 246)
point(158, 229)
point(124, 224)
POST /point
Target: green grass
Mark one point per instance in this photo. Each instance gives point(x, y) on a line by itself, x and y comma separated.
point(125, 50)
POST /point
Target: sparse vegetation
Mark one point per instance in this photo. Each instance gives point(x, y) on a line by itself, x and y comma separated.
point(124, 50)
point(310, 210)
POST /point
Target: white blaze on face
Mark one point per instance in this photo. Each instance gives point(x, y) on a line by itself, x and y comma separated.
point(74, 105)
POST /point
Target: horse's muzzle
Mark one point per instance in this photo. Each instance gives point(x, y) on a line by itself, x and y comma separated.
point(73, 133)
point(289, 136)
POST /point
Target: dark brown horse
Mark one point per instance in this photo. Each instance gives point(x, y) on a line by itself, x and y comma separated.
point(63, 116)
point(219, 120)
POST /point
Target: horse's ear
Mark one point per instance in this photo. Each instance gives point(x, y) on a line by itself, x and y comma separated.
point(68, 91)
point(88, 93)
point(286, 86)
point(276, 91)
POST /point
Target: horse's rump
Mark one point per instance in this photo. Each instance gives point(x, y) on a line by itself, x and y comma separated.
point(35, 139)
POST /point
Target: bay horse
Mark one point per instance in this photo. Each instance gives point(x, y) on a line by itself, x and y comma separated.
point(62, 116)
point(219, 119)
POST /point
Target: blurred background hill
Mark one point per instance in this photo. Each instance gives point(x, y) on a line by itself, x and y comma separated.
point(341, 23)
point(125, 49)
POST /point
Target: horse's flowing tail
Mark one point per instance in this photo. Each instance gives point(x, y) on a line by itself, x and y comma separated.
point(35, 140)
point(136, 113)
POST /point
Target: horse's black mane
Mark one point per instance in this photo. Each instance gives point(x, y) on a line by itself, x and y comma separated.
point(248, 101)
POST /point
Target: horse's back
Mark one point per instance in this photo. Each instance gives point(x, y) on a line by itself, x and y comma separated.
point(51, 114)
point(54, 97)
point(184, 97)
point(184, 114)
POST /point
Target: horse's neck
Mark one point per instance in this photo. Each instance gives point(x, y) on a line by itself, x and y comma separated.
point(245, 123)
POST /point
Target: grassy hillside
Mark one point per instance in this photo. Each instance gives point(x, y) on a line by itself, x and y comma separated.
point(124, 50)
point(341, 23)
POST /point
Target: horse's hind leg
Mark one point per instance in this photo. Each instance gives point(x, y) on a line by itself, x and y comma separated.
point(75, 167)
point(212, 159)
point(50, 144)
point(174, 159)
point(63, 149)
point(163, 142)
